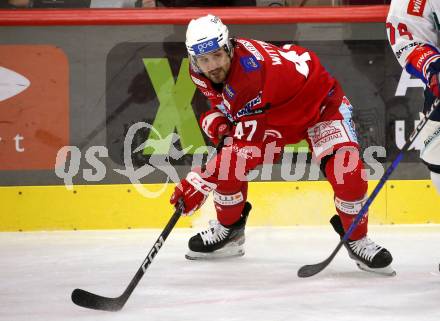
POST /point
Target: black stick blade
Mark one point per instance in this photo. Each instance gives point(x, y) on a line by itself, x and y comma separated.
point(92, 301)
point(311, 269)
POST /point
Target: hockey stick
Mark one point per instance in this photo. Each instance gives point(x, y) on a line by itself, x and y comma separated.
point(312, 269)
point(97, 302)
point(93, 301)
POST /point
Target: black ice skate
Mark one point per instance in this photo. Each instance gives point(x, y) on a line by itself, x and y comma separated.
point(219, 241)
point(368, 255)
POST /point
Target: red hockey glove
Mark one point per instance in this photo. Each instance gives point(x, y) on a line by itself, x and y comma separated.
point(215, 125)
point(434, 85)
point(433, 78)
point(193, 190)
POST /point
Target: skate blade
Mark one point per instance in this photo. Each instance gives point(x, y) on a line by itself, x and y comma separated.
point(386, 271)
point(223, 253)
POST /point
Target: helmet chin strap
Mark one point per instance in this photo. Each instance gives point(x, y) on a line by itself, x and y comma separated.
point(193, 63)
point(230, 49)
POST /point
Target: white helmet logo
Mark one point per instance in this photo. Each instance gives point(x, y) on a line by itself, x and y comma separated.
point(11, 83)
point(203, 46)
point(206, 46)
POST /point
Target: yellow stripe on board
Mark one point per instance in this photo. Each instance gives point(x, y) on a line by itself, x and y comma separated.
point(412, 202)
point(29, 208)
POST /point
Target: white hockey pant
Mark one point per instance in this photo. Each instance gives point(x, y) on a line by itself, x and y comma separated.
point(430, 153)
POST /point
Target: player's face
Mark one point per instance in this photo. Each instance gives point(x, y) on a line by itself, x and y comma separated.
point(215, 65)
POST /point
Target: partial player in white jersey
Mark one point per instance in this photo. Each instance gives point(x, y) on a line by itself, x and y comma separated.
point(413, 31)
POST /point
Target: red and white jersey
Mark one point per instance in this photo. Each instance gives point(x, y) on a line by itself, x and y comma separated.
point(270, 91)
point(413, 32)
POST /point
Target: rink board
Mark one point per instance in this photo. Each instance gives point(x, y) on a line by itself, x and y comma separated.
point(274, 204)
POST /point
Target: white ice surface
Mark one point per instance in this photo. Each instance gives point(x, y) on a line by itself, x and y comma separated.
point(38, 272)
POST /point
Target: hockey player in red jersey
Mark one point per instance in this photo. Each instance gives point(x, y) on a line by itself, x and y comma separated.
point(264, 97)
point(413, 32)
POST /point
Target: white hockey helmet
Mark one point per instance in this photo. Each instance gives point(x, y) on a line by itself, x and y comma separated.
point(207, 34)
